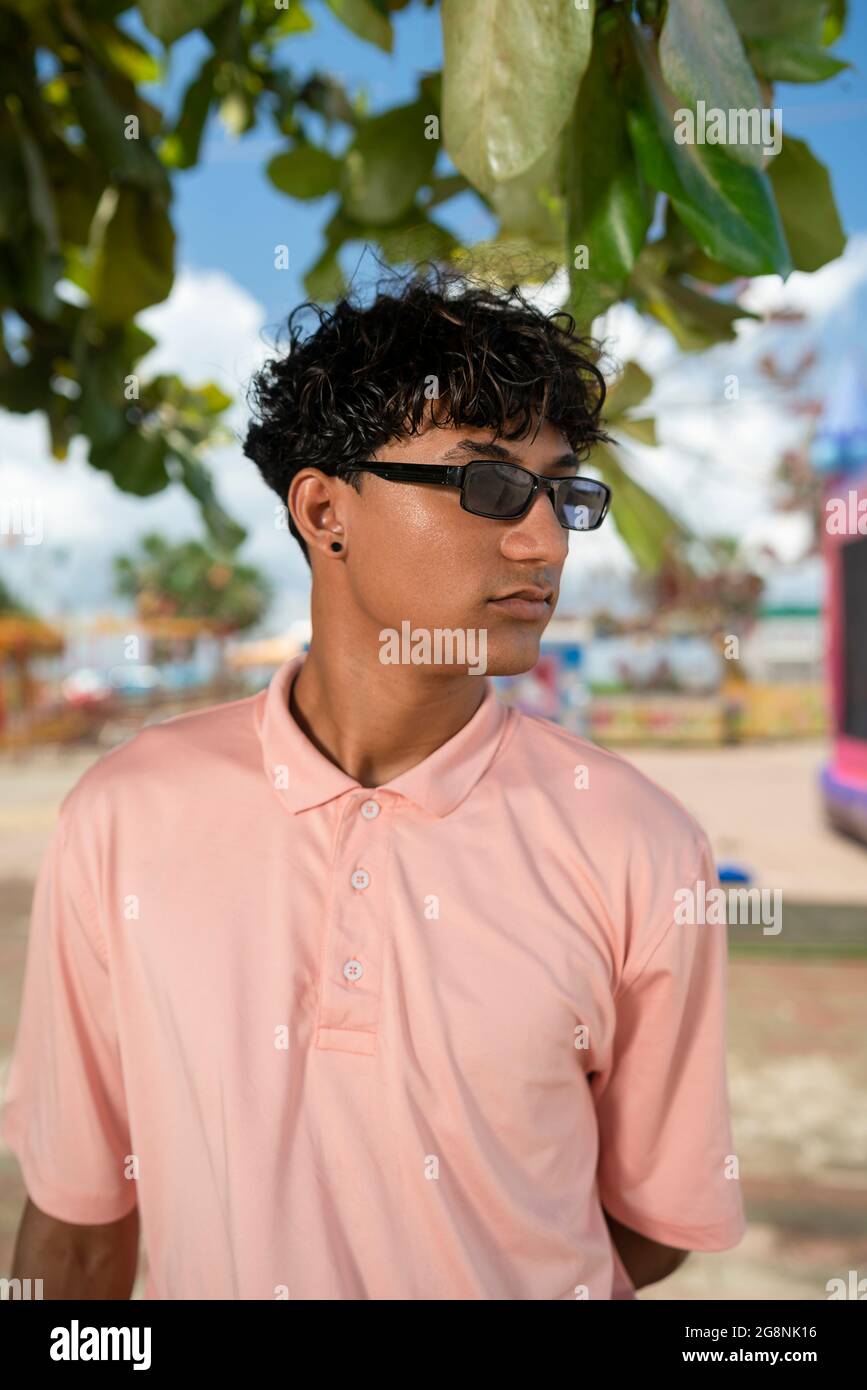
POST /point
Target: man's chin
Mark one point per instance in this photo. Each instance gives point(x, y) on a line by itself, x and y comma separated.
point(515, 657)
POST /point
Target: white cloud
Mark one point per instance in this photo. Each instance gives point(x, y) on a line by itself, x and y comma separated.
point(820, 293)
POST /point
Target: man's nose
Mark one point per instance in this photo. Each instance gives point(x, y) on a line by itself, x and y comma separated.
point(538, 533)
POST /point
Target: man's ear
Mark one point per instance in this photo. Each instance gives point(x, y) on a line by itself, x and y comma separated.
point(313, 502)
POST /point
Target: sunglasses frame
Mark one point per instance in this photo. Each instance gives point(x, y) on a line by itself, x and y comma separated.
point(457, 476)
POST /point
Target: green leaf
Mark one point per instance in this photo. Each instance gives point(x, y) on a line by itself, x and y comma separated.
point(78, 181)
point(105, 124)
point(609, 205)
point(13, 185)
point(510, 260)
point(38, 269)
point(531, 204)
point(123, 53)
point(446, 187)
point(180, 149)
point(728, 208)
point(40, 194)
point(510, 77)
point(210, 399)
point(294, 20)
point(786, 60)
point(321, 93)
point(629, 390)
point(325, 281)
point(643, 523)
point(137, 341)
point(61, 425)
point(702, 57)
point(136, 462)
point(763, 19)
point(834, 22)
point(102, 406)
point(305, 171)
point(102, 361)
point(696, 320)
point(806, 201)
point(386, 164)
point(414, 238)
point(134, 255)
point(700, 267)
point(168, 20)
point(26, 388)
point(676, 253)
point(365, 20)
point(786, 39)
point(187, 410)
point(644, 430)
point(195, 477)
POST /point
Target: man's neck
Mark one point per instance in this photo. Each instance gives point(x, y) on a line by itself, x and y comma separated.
point(376, 721)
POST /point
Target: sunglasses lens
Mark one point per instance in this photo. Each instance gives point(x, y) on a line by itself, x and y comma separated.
point(496, 489)
point(581, 505)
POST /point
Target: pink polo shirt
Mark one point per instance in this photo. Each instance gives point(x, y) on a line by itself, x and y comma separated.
point(393, 1043)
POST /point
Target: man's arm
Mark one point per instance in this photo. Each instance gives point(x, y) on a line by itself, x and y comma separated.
point(64, 1113)
point(662, 1106)
point(646, 1261)
point(76, 1261)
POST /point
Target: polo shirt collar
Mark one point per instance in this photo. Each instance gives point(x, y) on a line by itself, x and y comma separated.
point(302, 777)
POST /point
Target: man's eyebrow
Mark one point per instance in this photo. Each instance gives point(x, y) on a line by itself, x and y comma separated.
point(499, 451)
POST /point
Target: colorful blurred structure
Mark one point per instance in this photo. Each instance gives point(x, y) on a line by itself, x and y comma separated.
point(86, 677)
point(651, 688)
point(555, 688)
point(840, 451)
point(22, 638)
point(264, 654)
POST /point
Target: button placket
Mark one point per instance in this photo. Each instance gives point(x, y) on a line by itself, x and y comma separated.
point(352, 963)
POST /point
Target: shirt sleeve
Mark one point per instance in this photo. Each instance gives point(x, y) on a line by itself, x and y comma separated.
point(667, 1167)
point(64, 1113)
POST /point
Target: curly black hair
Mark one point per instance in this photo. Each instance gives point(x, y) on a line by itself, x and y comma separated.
point(363, 377)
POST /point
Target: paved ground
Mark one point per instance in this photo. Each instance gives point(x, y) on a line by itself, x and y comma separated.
point(762, 805)
point(798, 1046)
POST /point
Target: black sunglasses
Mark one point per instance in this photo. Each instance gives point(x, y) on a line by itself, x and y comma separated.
point(504, 491)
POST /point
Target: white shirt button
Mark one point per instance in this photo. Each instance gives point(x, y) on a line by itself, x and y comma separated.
point(370, 809)
point(353, 970)
point(360, 879)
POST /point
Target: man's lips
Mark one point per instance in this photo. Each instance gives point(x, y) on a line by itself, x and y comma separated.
point(528, 603)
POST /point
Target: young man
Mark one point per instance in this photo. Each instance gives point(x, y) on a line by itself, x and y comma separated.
point(367, 986)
